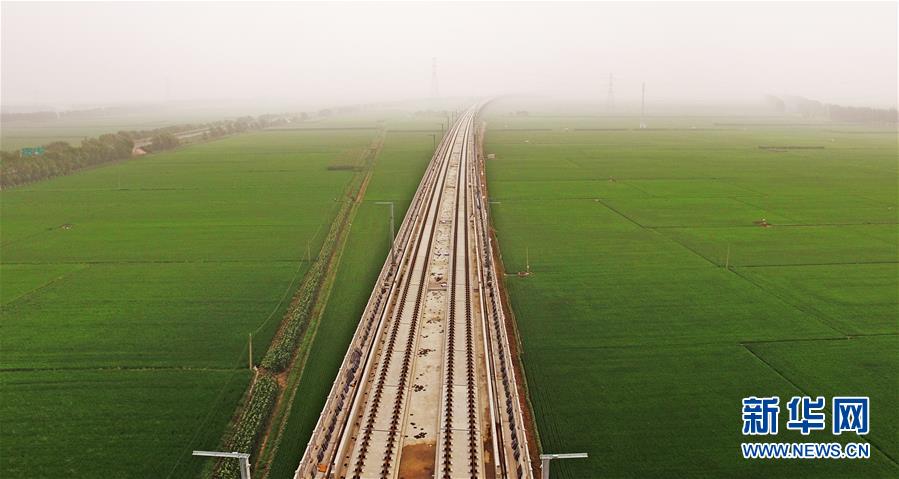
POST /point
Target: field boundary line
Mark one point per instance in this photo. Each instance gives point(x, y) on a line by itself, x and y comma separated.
point(783, 376)
point(24, 238)
point(688, 248)
point(857, 232)
point(848, 337)
point(676, 345)
point(631, 185)
point(619, 213)
point(730, 181)
point(814, 313)
point(31, 291)
point(654, 230)
point(845, 263)
point(742, 199)
point(821, 316)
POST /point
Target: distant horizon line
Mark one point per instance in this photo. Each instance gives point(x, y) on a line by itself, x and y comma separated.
point(290, 104)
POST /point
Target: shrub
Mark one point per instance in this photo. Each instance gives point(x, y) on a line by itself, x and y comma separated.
point(251, 424)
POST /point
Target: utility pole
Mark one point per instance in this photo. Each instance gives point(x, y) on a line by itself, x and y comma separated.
point(727, 258)
point(392, 233)
point(527, 259)
point(244, 459)
point(545, 458)
point(251, 352)
point(434, 140)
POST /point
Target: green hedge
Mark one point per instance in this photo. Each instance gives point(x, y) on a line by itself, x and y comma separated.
point(251, 424)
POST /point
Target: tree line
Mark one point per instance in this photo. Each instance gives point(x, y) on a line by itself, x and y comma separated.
point(815, 109)
point(862, 114)
point(60, 158)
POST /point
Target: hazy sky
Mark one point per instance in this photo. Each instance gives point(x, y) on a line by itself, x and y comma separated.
point(348, 52)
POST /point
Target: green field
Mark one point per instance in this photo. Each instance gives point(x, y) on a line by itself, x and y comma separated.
point(397, 174)
point(128, 292)
point(657, 301)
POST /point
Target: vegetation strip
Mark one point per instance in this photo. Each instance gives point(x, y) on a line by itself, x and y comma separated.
point(60, 158)
point(276, 370)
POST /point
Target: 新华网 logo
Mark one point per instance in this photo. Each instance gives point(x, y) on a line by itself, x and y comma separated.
point(848, 414)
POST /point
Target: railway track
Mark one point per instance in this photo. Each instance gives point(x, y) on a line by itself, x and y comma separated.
point(426, 389)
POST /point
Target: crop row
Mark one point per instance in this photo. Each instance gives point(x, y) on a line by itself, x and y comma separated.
point(251, 424)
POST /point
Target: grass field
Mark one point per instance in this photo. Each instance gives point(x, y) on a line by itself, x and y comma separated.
point(657, 302)
point(128, 292)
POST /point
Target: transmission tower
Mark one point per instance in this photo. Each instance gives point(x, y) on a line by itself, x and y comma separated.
point(434, 92)
point(610, 99)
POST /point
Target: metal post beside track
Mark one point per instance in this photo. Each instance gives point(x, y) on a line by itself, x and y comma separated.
point(244, 459)
point(392, 231)
point(546, 458)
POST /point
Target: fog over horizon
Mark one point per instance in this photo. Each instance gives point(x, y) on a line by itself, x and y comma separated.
point(65, 54)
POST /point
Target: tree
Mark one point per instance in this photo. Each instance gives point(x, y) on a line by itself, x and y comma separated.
point(163, 141)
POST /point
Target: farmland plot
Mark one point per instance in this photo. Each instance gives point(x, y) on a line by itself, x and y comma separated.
point(129, 292)
point(676, 271)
